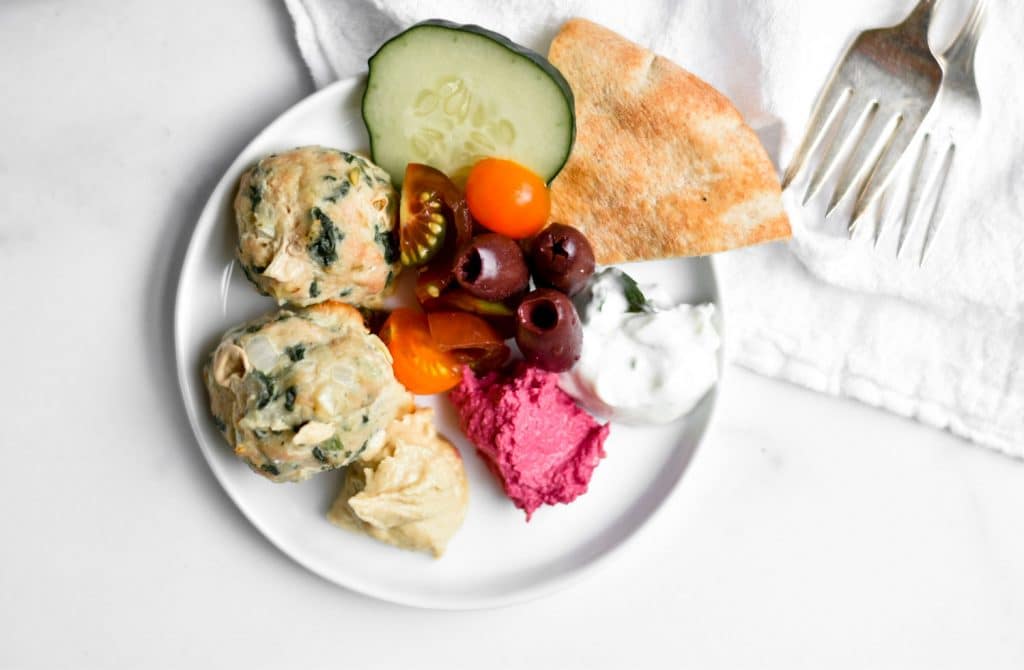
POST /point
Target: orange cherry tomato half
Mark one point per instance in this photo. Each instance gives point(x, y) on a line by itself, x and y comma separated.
point(472, 340)
point(419, 364)
point(507, 198)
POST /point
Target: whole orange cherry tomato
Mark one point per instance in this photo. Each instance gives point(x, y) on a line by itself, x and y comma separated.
point(419, 364)
point(507, 198)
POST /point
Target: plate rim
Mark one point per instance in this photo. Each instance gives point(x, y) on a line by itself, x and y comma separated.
point(520, 595)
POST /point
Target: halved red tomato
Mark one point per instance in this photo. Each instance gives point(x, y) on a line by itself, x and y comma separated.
point(471, 339)
point(433, 280)
point(419, 363)
point(462, 300)
point(432, 212)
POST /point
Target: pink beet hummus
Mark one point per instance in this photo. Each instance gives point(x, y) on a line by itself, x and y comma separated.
point(531, 433)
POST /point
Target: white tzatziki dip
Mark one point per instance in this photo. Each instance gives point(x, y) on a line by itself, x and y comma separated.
point(644, 360)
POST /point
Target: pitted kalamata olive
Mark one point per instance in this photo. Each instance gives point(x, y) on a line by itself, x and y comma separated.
point(561, 258)
point(492, 267)
point(548, 330)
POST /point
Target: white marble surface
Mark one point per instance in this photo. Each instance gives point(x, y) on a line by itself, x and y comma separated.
point(808, 533)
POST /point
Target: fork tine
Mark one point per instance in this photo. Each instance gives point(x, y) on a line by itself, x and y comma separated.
point(885, 200)
point(864, 161)
point(892, 200)
point(938, 209)
point(832, 104)
point(844, 141)
point(914, 193)
point(854, 224)
point(883, 173)
point(959, 65)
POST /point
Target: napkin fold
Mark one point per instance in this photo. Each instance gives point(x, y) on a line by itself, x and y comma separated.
point(940, 344)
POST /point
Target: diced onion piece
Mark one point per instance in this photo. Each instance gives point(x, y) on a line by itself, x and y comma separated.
point(313, 432)
point(262, 353)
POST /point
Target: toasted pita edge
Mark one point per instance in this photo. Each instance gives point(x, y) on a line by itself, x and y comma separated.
point(750, 194)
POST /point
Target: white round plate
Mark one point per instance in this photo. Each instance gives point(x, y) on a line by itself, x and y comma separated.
point(497, 557)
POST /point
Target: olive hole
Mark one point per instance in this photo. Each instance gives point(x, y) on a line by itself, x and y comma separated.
point(544, 315)
point(471, 266)
point(558, 248)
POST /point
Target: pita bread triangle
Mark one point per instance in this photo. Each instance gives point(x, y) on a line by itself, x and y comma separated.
point(663, 164)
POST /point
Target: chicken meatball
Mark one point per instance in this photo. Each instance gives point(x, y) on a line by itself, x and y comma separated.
point(299, 392)
point(411, 493)
point(317, 224)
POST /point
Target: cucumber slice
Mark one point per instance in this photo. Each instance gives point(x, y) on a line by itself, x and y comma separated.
point(448, 95)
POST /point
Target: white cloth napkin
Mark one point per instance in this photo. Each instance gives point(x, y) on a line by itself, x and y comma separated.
point(940, 344)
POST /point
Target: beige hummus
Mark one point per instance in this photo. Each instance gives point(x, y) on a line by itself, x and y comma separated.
point(411, 493)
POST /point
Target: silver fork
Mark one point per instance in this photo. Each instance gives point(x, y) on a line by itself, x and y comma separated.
point(951, 122)
point(866, 115)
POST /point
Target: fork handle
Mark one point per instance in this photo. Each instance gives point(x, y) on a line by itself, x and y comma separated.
point(915, 26)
